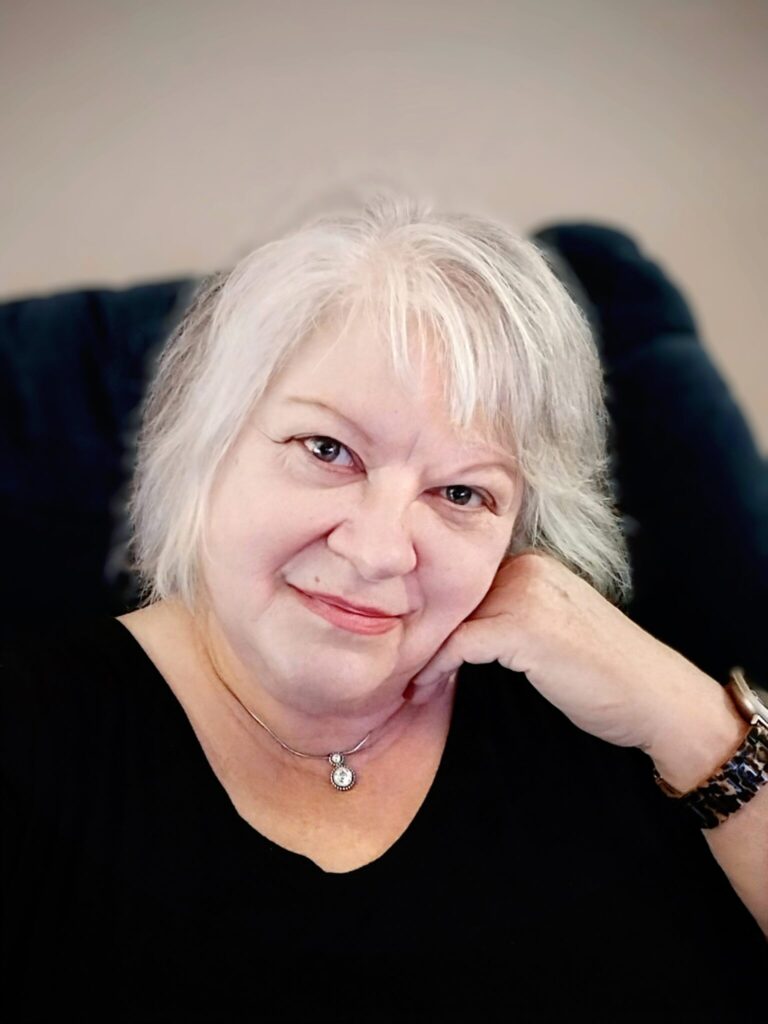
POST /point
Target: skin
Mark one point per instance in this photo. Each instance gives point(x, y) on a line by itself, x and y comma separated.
point(385, 521)
point(381, 529)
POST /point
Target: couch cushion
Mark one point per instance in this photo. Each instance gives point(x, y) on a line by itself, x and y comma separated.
point(72, 373)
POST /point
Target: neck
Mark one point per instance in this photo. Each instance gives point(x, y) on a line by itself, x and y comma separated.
point(316, 731)
point(378, 731)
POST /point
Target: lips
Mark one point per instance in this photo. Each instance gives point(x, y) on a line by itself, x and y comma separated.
point(344, 618)
point(358, 609)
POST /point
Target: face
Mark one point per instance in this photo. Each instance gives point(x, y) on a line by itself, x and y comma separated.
point(346, 483)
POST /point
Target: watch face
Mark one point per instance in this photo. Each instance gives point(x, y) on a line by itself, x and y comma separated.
point(753, 696)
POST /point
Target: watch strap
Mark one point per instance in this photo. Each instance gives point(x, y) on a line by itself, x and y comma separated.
point(732, 786)
point(746, 770)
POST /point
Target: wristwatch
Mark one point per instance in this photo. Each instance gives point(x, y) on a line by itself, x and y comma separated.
point(738, 780)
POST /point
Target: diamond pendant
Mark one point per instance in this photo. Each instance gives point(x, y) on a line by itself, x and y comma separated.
point(342, 776)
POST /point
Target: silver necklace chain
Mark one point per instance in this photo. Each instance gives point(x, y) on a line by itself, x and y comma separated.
point(298, 753)
point(342, 776)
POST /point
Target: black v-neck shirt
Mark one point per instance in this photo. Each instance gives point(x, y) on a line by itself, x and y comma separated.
point(545, 876)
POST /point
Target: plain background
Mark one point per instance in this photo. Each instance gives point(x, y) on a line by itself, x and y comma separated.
point(148, 140)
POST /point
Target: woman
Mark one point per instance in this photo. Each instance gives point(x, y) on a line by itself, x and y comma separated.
point(378, 741)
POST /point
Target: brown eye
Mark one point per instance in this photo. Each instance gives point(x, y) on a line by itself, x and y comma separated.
point(461, 495)
point(327, 450)
point(324, 449)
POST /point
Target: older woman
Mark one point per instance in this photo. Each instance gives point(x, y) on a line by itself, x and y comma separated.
point(379, 741)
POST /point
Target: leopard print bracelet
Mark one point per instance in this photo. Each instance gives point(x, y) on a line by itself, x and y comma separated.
point(732, 786)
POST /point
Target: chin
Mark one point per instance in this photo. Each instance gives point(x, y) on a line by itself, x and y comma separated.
point(319, 691)
point(333, 702)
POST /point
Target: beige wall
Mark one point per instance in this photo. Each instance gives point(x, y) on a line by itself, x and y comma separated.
point(143, 140)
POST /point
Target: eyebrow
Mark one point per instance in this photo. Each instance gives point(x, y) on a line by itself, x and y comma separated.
point(498, 466)
point(333, 412)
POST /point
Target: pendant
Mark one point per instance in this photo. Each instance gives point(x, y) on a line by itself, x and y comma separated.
point(342, 776)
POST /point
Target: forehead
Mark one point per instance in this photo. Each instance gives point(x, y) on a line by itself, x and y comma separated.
point(351, 369)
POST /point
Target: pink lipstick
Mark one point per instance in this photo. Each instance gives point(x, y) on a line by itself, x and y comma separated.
point(369, 624)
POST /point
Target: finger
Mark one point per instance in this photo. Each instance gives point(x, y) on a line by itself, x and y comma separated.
point(424, 694)
point(437, 672)
point(477, 641)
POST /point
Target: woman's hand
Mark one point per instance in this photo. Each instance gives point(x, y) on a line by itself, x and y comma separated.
point(605, 673)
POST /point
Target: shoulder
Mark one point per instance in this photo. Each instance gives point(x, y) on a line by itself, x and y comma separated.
point(156, 628)
point(53, 647)
point(80, 701)
point(47, 673)
point(61, 679)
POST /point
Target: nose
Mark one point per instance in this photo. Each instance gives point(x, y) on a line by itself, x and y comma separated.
point(376, 536)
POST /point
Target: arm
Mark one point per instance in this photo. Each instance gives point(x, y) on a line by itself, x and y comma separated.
point(618, 683)
point(698, 742)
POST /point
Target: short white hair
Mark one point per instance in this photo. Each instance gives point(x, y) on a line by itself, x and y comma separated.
point(519, 362)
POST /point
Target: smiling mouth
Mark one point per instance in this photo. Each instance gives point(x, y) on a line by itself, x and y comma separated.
point(344, 618)
point(339, 602)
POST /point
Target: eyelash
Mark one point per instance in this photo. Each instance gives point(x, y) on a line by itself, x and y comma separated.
point(487, 500)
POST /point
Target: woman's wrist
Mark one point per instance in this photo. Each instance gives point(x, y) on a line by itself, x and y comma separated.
point(703, 738)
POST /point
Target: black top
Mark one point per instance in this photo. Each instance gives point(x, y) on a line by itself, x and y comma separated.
point(545, 876)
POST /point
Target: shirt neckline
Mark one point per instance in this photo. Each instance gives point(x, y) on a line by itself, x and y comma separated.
point(188, 746)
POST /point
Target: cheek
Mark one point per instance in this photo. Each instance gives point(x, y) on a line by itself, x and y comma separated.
point(247, 506)
point(460, 584)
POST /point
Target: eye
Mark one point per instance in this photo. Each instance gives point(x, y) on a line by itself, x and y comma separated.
point(327, 449)
point(324, 449)
point(465, 494)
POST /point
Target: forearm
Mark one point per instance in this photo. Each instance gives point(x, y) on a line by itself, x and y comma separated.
point(707, 736)
point(740, 846)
